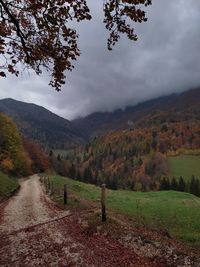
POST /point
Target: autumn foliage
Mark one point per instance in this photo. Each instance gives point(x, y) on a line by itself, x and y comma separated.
point(134, 158)
point(39, 34)
point(19, 156)
point(39, 160)
point(13, 158)
point(7, 165)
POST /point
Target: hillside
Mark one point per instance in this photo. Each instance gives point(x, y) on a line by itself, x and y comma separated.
point(37, 232)
point(136, 158)
point(175, 107)
point(160, 210)
point(39, 124)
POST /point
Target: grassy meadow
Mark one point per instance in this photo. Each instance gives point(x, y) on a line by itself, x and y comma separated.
point(177, 212)
point(7, 185)
point(185, 166)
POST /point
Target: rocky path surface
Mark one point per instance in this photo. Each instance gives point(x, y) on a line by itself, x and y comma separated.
point(34, 232)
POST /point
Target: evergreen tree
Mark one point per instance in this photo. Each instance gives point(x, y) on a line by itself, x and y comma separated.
point(114, 184)
point(87, 176)
point(192, 185)
point(181, 184)
point(140, 162)
point(187, 187)
point(147, 148)
point(165, 184)
point(72, 171)
point(164, 128)
point(58, 157)
point(154, 140)
point(78, 176)
point(174, 184)
point(197, 188)
point(162, 184)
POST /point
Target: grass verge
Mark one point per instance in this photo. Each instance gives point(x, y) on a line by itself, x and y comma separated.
point(177, 212)
point(7, 185)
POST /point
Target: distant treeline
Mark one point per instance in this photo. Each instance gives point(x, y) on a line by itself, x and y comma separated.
point(192, 186)
point(66, 168)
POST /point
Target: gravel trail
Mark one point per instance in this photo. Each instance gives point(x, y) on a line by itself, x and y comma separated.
point(34, 232)
point(27, 207)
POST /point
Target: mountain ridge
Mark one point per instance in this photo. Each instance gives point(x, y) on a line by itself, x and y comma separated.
point(53, 131)
point(100, 122)
point(42, 125)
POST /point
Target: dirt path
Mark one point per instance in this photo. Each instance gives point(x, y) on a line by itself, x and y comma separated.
point(34, 232)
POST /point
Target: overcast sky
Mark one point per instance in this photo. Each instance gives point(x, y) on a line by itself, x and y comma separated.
point(165, 59)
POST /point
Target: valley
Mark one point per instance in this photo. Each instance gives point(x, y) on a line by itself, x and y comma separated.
point(99, 133)
point(147, 155)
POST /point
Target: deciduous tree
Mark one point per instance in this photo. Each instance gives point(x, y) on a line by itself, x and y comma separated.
point(39, 159)
point(13, 158)
point(39, 33)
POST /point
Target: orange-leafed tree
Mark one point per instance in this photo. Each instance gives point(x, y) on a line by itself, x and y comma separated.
point(39, 160)
point(13, 158)
point(7, 165)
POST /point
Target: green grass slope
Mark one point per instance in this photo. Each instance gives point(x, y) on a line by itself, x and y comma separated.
point(7, 185)
point(184, 165)
point(177, 212)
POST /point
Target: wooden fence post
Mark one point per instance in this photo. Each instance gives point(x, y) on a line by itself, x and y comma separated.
point(51, 187)
point(65, 194)
point(103, 202)
point(45, 183)
point(138, 210)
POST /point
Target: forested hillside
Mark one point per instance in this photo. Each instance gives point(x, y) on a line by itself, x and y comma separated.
point(134, 154)
point(41, 125)
point(171, 108)
point(135, 158)
point(54, 132)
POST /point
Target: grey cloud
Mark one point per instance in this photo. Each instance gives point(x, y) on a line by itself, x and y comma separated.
point(165, 59)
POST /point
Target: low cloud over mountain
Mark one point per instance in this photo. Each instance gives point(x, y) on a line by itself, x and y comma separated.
point(164, 60)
